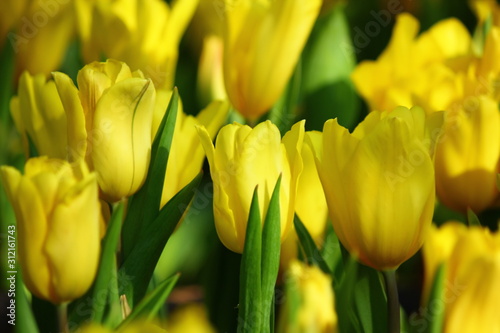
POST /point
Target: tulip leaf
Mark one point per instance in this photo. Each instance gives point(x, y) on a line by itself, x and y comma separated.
point(26, 321)
point(152, 303)
point(7, 58)
point(141, 262)
point(271, 245)
point(105, 273)
point(362, 304)
point(144, 206)
point(435, 314)
point(328, 60)
point(313, 254)
point(472, 218)
point(250, 307)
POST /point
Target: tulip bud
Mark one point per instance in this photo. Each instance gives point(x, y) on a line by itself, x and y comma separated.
point(310, 207)
point(189, 318)
point(310, 302)
point(244, 158)
point(379, 183)
point(109, 124)
point(257, 33)
point(58, 220)
point(186, 152)
point(467, 156)
point(38, 114)
point(471, 291)
point(210, 75)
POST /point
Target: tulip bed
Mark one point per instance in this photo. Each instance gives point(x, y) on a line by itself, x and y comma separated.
point(249, 166)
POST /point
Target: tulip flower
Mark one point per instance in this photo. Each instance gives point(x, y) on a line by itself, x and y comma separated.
point(379, 183)
point(38, 114)
point(186, 153)
point(58, 220)
point(189, 318)
point(243, 159)
point(143, 33)
point(437, 249)
point(109, 124)
point(411, 70)
point(40, 27)
point(467, 156)
point(210, 75)
point(471, 295)
point(311, 290)
point(262, 44)
point(310, 207)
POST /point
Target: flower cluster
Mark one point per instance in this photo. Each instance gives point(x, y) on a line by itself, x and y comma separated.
point(330, 180)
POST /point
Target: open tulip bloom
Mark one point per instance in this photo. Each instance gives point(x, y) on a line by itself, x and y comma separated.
point(250, 166)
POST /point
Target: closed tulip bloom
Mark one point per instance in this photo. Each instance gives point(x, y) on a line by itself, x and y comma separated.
point(243, 159)
point(379, 183)
point(472, 276)
point(58, 220)
point(314, 309)
point(310, 207)
point(262, 44)
point(38, 114)
point(186, 153)
point(467, 156)
point(437, 249)
point(109, 124)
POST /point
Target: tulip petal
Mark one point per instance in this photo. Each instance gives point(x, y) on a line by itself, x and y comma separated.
point(122, 127)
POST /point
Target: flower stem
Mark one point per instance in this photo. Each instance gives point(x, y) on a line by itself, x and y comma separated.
point(392, 301)
point(62, 315)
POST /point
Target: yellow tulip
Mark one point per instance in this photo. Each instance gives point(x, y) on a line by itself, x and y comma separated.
point(412, 67)
point(379, 183)
point(45, 27)
point(471, 295)
point(189, 318)
point(316, 302)
point(437, 249)
point(186, 155)
point(143, 33)
point(310, 207)
point(38, 114)
point(262, 43)
point(244, 158)
point(210, 74)
point(58, 220)
point(468, 154)
point(109, 124)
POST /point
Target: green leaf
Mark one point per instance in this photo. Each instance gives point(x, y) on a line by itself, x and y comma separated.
point(472, 218)
point(144, 206)
point(313, 254)
point(250, 314)
point(362, 304)
point(79, 311)
point(141, 262)
point(25, 320)
point(328, 60)
point(108, 261)
point(152, 303)
point(271, 245)
point(435, 314)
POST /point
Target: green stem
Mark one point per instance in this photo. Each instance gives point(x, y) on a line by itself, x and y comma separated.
point(392, 301)
point(62, 316)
